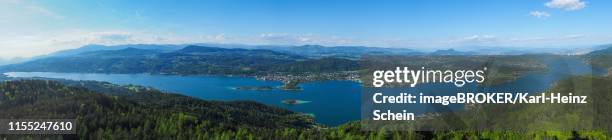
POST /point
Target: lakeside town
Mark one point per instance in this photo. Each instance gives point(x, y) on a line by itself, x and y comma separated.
point(309, 76)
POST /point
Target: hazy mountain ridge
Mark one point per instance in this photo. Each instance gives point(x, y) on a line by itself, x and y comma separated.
point(318, 51)
point(200, 50)
point(127, 52)
point(191, 60)
point(106, 111)
point(95, 47)
point(605, 50)
point(600, 58)
point(241, 59)
point(92, 48)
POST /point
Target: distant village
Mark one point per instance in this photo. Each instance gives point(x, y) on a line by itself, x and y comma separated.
point(306, 77)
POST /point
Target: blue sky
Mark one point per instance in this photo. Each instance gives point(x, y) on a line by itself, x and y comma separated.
point(29, 28)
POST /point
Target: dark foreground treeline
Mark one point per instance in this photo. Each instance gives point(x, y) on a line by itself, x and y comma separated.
point(106, 111)
point(163, 116)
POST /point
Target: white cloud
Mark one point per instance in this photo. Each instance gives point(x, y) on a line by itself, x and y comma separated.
point(574, 36)
point(569, 5)
point(539, 14)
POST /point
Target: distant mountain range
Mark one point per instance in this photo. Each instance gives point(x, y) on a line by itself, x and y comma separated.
point(605, 50)
point(318, 51)
point(313, 51)
point(240, 59)
point(351, 52)
point(190, 60)
point(91, 48)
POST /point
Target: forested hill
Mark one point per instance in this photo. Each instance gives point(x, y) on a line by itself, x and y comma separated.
point(601, 58)
point(191, 60)
point(161, 116)
point(350, 52)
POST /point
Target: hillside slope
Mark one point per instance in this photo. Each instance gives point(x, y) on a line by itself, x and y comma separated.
point(600, 58)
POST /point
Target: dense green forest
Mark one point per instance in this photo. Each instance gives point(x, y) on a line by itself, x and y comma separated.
point(551, 120)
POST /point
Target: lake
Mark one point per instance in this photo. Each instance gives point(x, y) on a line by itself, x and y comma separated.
point(331, 102)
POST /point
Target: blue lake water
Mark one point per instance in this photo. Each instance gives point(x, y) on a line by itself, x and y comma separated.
point(332, 102)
